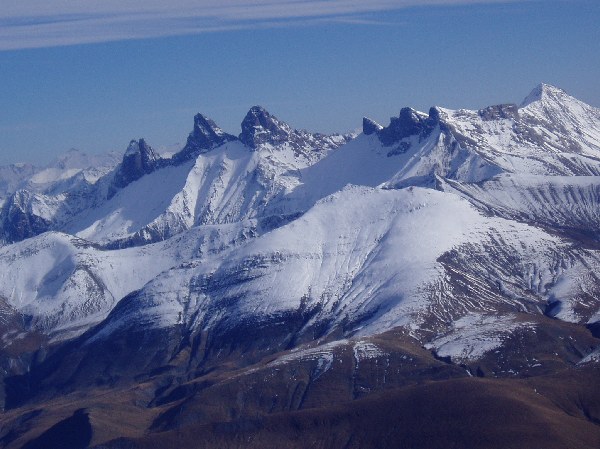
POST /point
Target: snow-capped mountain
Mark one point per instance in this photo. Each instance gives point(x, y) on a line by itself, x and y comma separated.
point(456, 234)
point(35, 198)
point(236, 178)
point(506, 160)
point(55, 176)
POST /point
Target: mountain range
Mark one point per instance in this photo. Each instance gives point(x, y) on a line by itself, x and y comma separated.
point(432, 280)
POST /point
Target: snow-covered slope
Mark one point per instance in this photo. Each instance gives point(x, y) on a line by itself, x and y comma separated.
point(216, 178)
point(39, 199)
point(131, 208)
point(56, 176)
point(12, 177)
point(551, 133)
point(62, 284)
point(564, 203)
point(368, 260)
point(74, 163)
point(432, 223)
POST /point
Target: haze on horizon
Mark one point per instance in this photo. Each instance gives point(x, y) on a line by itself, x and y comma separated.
point(95, 77)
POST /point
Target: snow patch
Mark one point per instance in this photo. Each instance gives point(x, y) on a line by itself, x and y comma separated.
point(474, 335)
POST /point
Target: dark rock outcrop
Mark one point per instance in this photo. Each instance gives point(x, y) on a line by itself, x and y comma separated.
point(139, 160)
point(408, 123)
point(500, 111)
point(370, 126)
point(205, 136)
point(19, 220)
point(260, 127)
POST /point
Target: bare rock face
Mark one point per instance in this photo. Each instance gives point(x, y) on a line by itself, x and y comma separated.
point(139, 160)
point(370, 126)
point(205, 136)
point(260, 127)
point(19, 221)
point(500, 111)
point(408, 123)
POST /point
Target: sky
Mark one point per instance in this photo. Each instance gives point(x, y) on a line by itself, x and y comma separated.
point(95, 74)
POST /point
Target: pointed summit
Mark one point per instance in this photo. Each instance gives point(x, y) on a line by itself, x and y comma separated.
point(543, 92)
point(205, 136)
point(140, 149)
point(370, 126)
point(260, 127)
point(408, 123)
point(139, 160)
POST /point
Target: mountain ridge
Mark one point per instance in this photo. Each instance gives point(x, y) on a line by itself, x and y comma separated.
point(287, 271)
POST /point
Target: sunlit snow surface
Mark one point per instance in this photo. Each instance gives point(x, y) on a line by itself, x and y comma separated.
point(474, 335)
point(448, 234)
point(362, 255)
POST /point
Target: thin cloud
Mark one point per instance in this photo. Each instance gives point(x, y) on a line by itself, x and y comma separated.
point(43, 23)
point(353, 20)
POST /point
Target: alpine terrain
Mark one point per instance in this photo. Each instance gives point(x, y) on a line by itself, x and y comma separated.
point(431, 283)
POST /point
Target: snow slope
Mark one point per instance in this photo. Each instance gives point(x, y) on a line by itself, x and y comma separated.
point(551, 133)
point(365, 260)
point(567, 203)
point(62, 285)
point(438, 223)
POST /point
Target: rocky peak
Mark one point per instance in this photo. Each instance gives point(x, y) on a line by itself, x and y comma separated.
point(260, 127)
point(434, 115)
point(370, 126)
point(205, 136)
point(139, 159)
point(500, 111)
point(544, 92)
point(408, 123)
point(140, 155)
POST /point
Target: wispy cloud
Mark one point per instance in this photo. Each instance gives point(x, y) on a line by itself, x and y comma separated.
point(43, 23)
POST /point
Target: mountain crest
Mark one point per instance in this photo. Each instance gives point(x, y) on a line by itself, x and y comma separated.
point(18, 220)
point(260, 127)
point(139, 159)
point(408, 123)
point(544, 92)
point(205, 136)
point(370, 126)
point(140, 149)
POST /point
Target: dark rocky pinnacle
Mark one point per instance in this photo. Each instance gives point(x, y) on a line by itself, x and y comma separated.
point(139, 160)
point(259, 127)
point(370, 126)
point(205, 136)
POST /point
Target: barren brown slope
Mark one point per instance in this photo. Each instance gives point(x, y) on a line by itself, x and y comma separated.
point(458, 413)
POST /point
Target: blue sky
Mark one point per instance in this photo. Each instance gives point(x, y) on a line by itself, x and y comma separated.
point(97, 77)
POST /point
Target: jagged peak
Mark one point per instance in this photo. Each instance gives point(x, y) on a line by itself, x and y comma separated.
point(139, 149)
point(132, 148)
point(258, 110)
point(258, 115)
point(543, 92)
point(434, 114)
point(370, 126)
point(409, 122)
point(259, 127)
point(205, 136)
point(139, 160)
point(205, 126)
point(410, 114)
